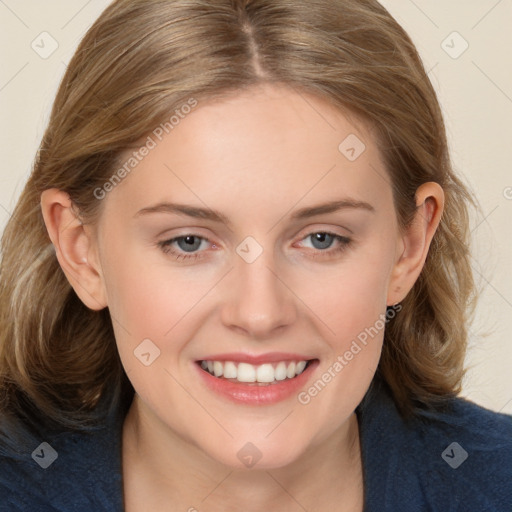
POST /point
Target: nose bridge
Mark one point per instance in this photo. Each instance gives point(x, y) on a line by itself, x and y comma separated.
point(259, 301)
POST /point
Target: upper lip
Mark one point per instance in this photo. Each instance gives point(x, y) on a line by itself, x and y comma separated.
point(270, 357)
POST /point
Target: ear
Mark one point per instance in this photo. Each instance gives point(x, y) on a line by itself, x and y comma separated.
point(415, 241)
point(75, 248)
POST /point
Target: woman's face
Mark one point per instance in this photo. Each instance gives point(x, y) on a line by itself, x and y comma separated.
point(214, 249)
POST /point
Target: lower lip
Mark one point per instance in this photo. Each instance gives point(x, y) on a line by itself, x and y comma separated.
point(253, 393)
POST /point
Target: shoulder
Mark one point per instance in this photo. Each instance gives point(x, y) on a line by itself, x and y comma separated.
point(64, 472)
point(456, 459)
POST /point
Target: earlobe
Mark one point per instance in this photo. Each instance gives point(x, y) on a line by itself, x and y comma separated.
point(73, 246)
point(416, 240)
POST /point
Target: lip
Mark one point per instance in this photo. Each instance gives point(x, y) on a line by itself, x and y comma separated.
point(270, 357)
point(253, 393)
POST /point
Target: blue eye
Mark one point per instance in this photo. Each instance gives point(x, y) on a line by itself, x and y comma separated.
point(188, 246)
point(187, 243)
point(190, 243)
point(322, 241)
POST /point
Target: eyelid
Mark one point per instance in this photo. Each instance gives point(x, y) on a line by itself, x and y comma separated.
point(343, 243)
point(177, 232)
point(166, 247)
point(341, 239)
point(306, 232)
point(322, 228)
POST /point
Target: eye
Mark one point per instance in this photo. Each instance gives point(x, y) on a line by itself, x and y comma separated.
point(183, 247)
point(323, 241)
point(187, 247)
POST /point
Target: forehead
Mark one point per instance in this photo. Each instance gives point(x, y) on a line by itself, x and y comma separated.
point(267, 144)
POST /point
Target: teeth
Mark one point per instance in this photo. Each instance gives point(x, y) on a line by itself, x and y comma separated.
point(290, 371)
point(218, 369)
point(230, 371)
point(246, 373)
point(299, 368)
point(264, 373)
point(280, 371)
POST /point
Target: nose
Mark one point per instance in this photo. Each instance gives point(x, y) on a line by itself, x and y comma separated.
point(258, 302)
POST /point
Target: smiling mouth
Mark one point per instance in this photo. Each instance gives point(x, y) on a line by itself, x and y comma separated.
point(261, 374)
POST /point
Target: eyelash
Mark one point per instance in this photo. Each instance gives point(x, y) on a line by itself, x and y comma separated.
point(344, 242)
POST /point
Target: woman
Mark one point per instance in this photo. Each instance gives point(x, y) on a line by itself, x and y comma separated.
point(238, 277)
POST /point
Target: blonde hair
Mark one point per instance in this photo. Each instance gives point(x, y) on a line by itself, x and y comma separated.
point(140, 61)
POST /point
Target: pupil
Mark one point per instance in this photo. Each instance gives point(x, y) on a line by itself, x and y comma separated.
point(191, 243)
point(324, 240)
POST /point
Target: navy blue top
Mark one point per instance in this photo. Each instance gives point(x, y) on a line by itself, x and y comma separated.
point(458, 460)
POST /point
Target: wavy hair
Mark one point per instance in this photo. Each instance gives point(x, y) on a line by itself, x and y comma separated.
point(140, 61)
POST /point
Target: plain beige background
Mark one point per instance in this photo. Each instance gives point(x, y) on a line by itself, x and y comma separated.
point(466, 47)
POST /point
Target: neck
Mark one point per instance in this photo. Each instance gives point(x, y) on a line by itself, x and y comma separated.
point(163, 470)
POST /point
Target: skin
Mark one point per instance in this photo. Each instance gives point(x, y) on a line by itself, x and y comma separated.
point(257, 158)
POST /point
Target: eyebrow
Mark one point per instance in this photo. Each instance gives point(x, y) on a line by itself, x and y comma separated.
point(215, 216)
point(331, 207)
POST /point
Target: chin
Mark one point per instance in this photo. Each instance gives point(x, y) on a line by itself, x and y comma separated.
point(254, 455)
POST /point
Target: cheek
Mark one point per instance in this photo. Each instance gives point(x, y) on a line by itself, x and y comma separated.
point(351, 308)
point(355, 316)
point(155, 302)
point(349, 298)
point(149, 298)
